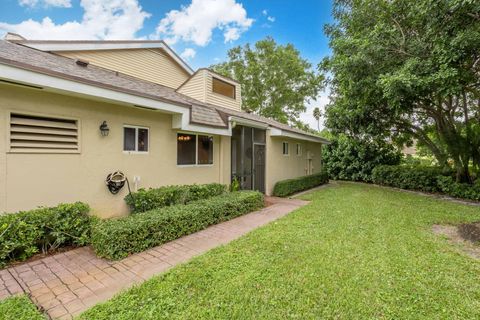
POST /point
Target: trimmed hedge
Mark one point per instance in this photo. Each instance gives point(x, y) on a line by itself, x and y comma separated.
point(427, 179)
point(408, 177)
point(25, 233)
point(117, 238)
point(449, 186)
point(145, 200)
point(290, 186)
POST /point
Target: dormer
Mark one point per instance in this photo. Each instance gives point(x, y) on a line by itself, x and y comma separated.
point(210, 87)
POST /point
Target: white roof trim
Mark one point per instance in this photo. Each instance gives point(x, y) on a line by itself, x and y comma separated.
point(180, 118)
point(247, 122)
point(86, 46)
point(275, 132)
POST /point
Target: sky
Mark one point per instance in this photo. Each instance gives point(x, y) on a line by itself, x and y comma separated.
point(201, 31)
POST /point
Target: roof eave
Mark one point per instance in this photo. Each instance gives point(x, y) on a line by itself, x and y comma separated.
point(276, 132)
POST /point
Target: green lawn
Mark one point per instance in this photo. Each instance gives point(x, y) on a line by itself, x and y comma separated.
point(19, 308)
point(354, 252)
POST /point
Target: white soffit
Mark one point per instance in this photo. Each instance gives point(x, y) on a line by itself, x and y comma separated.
point(275, 132)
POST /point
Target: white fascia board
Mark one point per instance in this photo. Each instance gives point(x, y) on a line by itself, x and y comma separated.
point(275, 132)
point(180, 117)
point(246, 122)
point(88, 46)
point(65, 46)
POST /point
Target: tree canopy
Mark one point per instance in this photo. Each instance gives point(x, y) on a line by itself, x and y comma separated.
point(407, 70)
point(276, 81)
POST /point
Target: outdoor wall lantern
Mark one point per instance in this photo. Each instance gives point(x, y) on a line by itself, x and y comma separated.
point(104, 130)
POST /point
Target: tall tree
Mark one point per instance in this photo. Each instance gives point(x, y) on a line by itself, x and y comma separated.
point(317, 114)
point(408, 70)
point(276, 81)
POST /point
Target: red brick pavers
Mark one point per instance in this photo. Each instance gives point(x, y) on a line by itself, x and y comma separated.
point(68, 283)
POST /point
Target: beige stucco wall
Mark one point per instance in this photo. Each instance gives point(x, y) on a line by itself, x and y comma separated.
point(153, 65)
point(281, 167)
point(31, 180)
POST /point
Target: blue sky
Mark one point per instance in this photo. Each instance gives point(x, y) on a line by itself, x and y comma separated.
point(201, 31)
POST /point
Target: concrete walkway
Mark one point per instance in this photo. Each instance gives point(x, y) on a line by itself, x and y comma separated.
point(68, 283)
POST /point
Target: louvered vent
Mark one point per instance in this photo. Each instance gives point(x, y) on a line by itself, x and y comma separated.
point(43, 134)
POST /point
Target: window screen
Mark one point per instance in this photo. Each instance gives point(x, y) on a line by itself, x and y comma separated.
point(205, 150)
point(186, 148)
point(129, 139)
point(135, 139)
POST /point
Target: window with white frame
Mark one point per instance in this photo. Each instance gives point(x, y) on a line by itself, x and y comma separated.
point(135, 139)
point(285, 148)
point(299, 149)
point(193, 149)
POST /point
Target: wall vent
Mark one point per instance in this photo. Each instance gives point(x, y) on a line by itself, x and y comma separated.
point(38, 134)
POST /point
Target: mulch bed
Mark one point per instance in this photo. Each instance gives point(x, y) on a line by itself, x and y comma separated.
point(470, 231)
point(38, 256)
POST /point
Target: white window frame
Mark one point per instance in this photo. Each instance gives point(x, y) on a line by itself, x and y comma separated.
point(299, 148)
point(136, 139)
point(196, 164)
point(283, 148)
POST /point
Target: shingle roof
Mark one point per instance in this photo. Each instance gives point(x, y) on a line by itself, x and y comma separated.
point(58, 66)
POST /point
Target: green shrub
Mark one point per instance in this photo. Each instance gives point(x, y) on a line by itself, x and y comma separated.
point(452, 188)
point(287, 187)
point(145, 200)
point(348, 158)
point(408, 177)
point(116, 238)
point(25, 233)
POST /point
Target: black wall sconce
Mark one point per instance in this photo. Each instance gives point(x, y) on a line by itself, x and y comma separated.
point(104, 129)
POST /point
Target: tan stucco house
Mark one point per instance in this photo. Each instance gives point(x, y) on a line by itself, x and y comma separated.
point(166, 125)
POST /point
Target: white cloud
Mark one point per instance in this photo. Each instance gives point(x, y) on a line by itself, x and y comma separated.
point(307, 116)
point(188, 54)
point(269, 18)
point(46, 3)
point(102, 19)
point(231, 34)
point(197, 21)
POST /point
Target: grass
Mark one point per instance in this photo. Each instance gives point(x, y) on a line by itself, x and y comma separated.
point(354, 252)
point(19, 308)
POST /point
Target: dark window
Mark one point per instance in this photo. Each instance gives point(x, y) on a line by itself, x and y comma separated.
point(186, 148)
point(129, 139)
point(285, 148)
point(135, 139)
point(205, 150)
point(224, 88)
point(142, 139)
point(299, 149)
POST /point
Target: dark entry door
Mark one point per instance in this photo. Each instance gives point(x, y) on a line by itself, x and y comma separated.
point(259, 167)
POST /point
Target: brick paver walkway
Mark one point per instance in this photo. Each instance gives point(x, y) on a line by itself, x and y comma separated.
point(68, 283)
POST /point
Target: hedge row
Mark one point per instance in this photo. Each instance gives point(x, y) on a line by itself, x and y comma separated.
point(287, 187)
point(408, 177)
point(116, 238)
point(427, 179)
point(25, 233)
point(145, 200)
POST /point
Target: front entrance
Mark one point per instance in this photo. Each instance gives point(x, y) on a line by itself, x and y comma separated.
point(248, 157)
